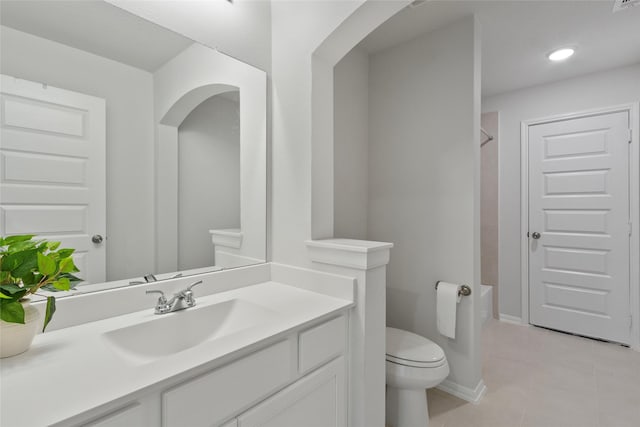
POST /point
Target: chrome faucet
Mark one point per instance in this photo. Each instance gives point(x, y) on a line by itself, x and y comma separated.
point(180, 301)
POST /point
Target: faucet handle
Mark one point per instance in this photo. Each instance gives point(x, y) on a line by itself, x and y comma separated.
point(162, 306)
point(157, 291)
point(193, 284)
point(187, 294)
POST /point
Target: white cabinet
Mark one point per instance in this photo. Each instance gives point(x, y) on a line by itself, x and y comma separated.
point(317, 400)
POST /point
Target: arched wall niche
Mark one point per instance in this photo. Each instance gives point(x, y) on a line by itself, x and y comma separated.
point(190, 100)
point(366, 18)
point(180, 85)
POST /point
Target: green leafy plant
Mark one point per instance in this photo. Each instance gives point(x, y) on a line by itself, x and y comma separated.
point(27, 265)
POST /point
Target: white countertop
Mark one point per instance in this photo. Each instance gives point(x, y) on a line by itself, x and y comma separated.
point(74, 370)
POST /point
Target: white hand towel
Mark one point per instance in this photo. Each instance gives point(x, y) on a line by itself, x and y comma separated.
point(446, 306)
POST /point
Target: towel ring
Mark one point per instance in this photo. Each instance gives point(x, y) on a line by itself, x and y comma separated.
point(464, 290)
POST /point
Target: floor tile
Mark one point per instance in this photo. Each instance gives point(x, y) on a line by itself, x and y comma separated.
point(441, 405)
point(541, 378)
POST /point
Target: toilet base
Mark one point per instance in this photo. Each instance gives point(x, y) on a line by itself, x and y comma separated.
point(407, 407)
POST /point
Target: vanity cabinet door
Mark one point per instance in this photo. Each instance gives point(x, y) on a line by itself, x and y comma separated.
point(317, 400)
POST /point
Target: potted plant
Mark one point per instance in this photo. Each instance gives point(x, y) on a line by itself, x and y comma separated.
point(26, 266)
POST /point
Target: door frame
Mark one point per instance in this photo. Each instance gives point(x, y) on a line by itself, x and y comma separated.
point(634, 204)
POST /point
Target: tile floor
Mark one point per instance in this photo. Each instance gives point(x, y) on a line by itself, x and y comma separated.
point(540, 378)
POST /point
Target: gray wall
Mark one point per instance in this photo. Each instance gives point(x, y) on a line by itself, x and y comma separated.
point(129, 97)
point(208, 178)
point(351, 145)
point(608, 88)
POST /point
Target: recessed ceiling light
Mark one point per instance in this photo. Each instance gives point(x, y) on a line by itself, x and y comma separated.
point(561, 54)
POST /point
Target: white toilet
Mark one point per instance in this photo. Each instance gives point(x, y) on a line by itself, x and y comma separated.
point(414, 364)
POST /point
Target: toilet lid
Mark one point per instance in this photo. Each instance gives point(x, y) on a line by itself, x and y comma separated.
point(407, 348)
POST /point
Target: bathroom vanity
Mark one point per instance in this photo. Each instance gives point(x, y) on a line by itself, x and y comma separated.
point(269, 353)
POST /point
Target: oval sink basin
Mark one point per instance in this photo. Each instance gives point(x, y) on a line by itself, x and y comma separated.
point(172, 333)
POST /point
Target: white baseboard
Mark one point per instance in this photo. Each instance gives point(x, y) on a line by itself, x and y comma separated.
point(465, 393)
point(510, 319)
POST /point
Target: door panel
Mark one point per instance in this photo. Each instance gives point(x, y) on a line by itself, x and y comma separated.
point(25, 167)
point(52, 169)
point(579, 203)
point(576, 221)
point(575, 183)
point(38, 219)
point(35, 115)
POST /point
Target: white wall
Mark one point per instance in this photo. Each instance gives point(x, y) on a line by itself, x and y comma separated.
point(424, 117)
point(596, 90)
point(208, 178)
point(308, 39)
point(128, 94)
point(351, 145)
point(298, 28)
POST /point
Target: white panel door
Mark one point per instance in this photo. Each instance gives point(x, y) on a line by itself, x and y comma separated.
point(52, 169)
point(579, 205)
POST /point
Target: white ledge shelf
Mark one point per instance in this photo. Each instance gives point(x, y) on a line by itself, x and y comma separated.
point(229, 238)
point(359, 254)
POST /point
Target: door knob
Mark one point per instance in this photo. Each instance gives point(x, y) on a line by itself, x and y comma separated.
point(97, 239)
point(535, 235)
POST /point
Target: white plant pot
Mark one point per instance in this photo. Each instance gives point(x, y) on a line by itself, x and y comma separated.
point(16, 338)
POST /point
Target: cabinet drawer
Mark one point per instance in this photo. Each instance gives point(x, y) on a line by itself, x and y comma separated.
point(321, 343)
point(219, 394)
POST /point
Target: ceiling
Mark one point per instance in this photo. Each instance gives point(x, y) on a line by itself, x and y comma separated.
point(517, 35)
point(96, 27)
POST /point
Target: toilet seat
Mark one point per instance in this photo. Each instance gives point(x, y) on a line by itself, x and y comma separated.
point(412, 350)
